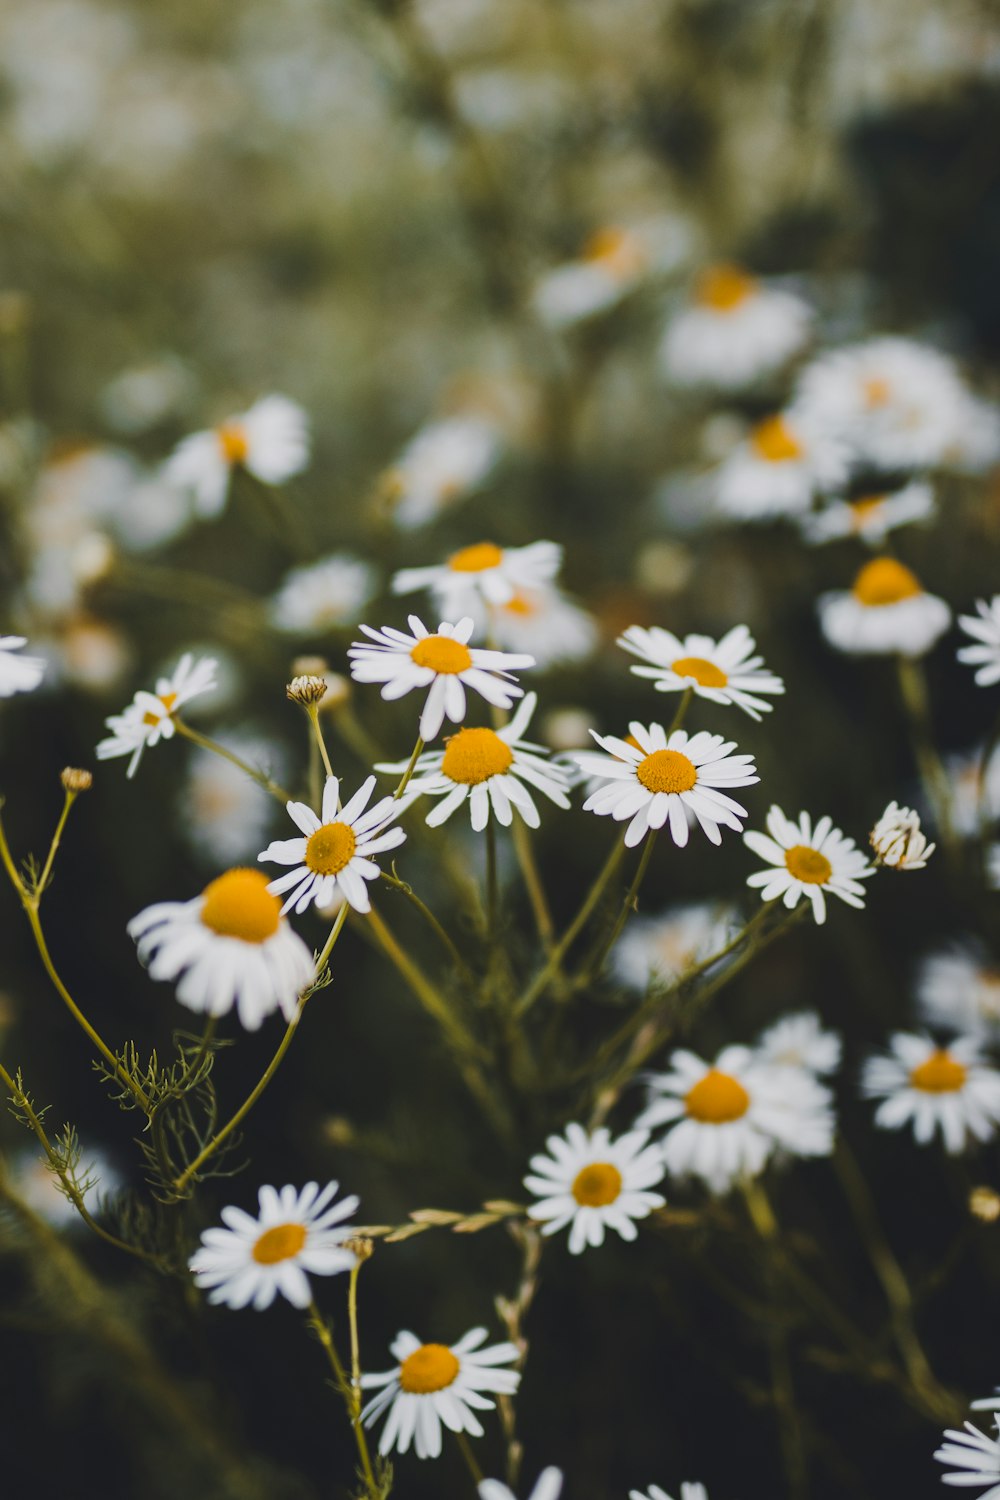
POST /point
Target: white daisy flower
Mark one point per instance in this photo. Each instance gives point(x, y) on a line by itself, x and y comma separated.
point(483, 574)
point(728, 1118)
point(613, 262)
point(799, 1041)
point(270, 441)
point(975, 449)
point(18, 674)
point(296, 1235)
point(871, 517)
point(441, 661)
point(548, 1486)
point(735, 330)
point(658, 950)
point(594, 1183)
point(807, 861)
point(975, 790)
point(546, 623)
point(230, 946)
point(689, 1491)
point(974, 1457)
point(487, 768)
point(950, 1089)
point(779, 470)
point(149, 717)
point(984, 628)
point(335, 850)
point(959, 987)
point(898, 841)
point(886, 610)
point(444, 463)
point(323, 595)
point(434, 1384)
point(658, 779)
point(723, 671)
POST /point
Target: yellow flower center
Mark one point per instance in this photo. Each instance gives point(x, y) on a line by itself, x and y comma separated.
point(233, 442)
point(521, 604)
point(667, 771)
point(597, 1185)
point(705, 673)
point(876, 390)
point(442, 654)
point(476, 559)
point(940, 1074)
point(238, 904)
point(724, 287)
point(808, 865)
point(280, 1243)
point(774, 441)
point(716, 1099)
point(615, 249)
point(885, 581)
point(168, 700)
point(432, 1367)
point(865, 506)
point(330, 848)
point(474, 755)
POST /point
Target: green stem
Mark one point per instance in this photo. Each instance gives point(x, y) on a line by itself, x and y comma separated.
point(551, 967)
point(430, 998)
point(593, 968)
point(934, 777)
point(682, 708)
point(465, 1447)
point(207, 743)
point(411, 764)
point(312, 709)
point(321, 1328)
point(492, 887)
point(533, 884)
point(407, 890)
point(43, 878)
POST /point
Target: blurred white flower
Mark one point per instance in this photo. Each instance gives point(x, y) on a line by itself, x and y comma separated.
point(779, 469)
point(973, 1457)
point(18, 674)
point(959, 988)
point(950, 1089)
point(323, 595)
point(38, 1186)
point(614, 261)
point(870, 518)
point(886, 611)
point(225, 814)
point(441, 465)
point(734, 331)
point(690, 1490)
point(270, 441)
point(142, 396)
point(658, 950)
point(807, 861)
point(898, 841)
point(799, 1041)
point(482, 575)
point(548, 1486)
point(984, 628)
point(544, 622)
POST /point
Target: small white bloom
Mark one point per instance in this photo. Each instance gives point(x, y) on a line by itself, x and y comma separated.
point(18, 674)
point(779, 470)
point(723, 671)
point(689, 1491)
point(984, 628)
point(335, 850)
point(487, 768)
point(483, 574)
point(295, 1235)
point(444, 463)
point(592, 1183)
point(613, 262)
point(434, 1384)
point(270, 441)
point(225, 814)
point(898, 841)
point(443, 662)
point(799, 1041)
point(658, 950)
point(548, 1486)
point(871, 517)
point(676, 780)
point(975, 790)
point(885, 611)
point(950, 1089)
point(229, 947)
point(807, 861)
point(149, 717)
point(323, 595)
point(728, 1118)
point(959, 988)
point(546, 623)
point(974, 1458)
point(734, 331)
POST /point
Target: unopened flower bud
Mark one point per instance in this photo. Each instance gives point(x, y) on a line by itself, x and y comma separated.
point(306, 690)
point(898, 841)
point(76, 780)
point(361, 1246)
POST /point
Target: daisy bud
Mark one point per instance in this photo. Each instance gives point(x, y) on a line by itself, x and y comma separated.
point(76, 780)
point(984, 1204)
point(360, 1246)
point(306, 690)
point(898, 841)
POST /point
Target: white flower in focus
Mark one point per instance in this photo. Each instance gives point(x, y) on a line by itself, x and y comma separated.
point(18, 674)
point(593, 1183)
point(443, 662)
point(885, 611)
point(898, 841)
point(658, 950)
point(295, 1235)
point(689, 1491)
point(487, 768)
point(548, 1486)
point(483, 574)
point(728, 1118)
point(959, 988)
point(658, 780)
point(807, 861)
point(779, 470)
point(445, 462)
point(323, 595)
point(149, 717)
point(871, 517)
point(335, 850)
point(434, 1384)
point(799, 1041)
point(974, 1457)
point(950, 1089)
point(229, 947)
point(984, 628)
point(270, 441)
point(734, 331)
point(724, 671)
point(545, 623)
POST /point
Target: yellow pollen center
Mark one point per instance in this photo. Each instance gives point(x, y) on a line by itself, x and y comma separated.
point(441, 654)
point(474, 755)
point(940, 1074)
point(616, 250)
point(705, 673)
point(667, 771)
point(432, 1367)
point(239, 905)
point(233, 442)
point(330, 848)
point(865, 506)
point(774, 441)
point(476, 559)
point(597, 1185)
point(168, 700)
point(808, 865)
point(521, 604)
point(717, 1099)
point(885, 581)
point(280, 1243)
point(724, 287)
point(876, 391)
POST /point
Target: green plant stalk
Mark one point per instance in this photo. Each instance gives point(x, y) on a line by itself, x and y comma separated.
point(548, 971)
point(533, 885)
point(594, 966)
point(207, 743)
point(394, 882)
point(913, 690)
point(320, 1327)
point(312, 709)
point(46, 873)
point(410, 767)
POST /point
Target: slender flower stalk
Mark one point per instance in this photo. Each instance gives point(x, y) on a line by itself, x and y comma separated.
point(547, 973)
point(933, 776)
point(207, 743)
point(321, 1328)
point(411, 765)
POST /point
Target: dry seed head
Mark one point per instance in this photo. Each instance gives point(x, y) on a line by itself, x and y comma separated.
point(76, 780)
point(306, 690)
point(984, 1204)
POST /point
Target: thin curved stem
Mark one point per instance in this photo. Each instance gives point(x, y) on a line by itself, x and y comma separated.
point(533, 884)
point(446, 941)
point(596, 964)
point(46, 872)
point(207, 743)
point(551, 967)
point(312, 709)
point(410, 767)
point(321, 1328)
